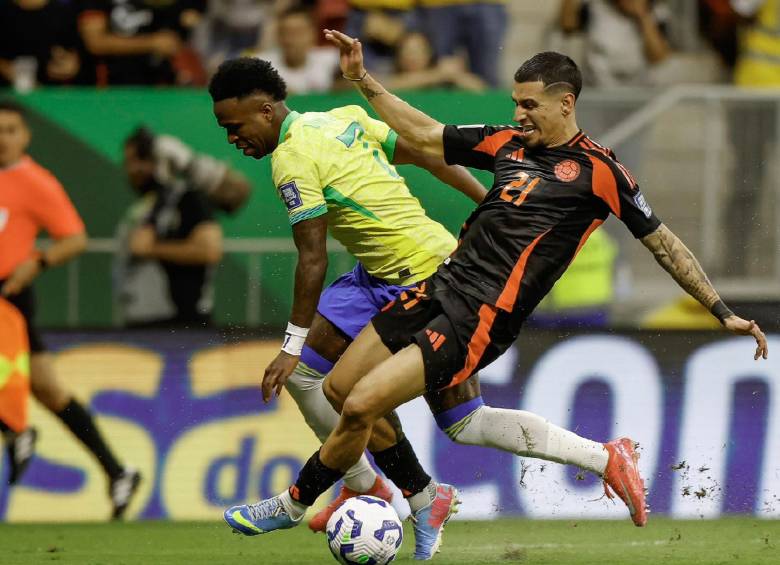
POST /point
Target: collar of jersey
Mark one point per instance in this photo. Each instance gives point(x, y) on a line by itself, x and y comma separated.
point(291, 117)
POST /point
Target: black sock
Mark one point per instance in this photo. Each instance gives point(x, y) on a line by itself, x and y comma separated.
point(399, 464)
point(314, 479)
point(80, 422)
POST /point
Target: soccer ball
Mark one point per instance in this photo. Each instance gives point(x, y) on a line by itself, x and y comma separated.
point(364, 530)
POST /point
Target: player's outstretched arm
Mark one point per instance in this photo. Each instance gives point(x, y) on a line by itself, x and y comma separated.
point(422, 131)
point(672, 254)
point(456, 176)
point(311, 240)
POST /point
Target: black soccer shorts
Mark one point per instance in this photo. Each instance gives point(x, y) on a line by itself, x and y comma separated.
point(457, 333)
point(25, 303)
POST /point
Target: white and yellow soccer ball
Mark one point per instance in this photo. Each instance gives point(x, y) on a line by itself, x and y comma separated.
point(365, 530)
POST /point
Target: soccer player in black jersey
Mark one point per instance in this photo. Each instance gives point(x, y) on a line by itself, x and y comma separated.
point(553, 186)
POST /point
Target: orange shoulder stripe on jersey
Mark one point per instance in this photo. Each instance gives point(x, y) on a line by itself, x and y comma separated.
point(604, 184)
point(487, 315)
point(492, 143)
point(588, 144)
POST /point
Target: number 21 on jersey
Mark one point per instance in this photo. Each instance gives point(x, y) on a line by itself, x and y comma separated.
point(517, 190)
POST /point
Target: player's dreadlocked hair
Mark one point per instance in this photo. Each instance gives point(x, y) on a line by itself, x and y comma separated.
point(550, 67)
point(241, 77)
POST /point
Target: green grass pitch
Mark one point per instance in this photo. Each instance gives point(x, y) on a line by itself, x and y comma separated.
point(745, 541)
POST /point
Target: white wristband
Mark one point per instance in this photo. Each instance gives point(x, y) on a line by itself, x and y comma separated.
point(294, 338)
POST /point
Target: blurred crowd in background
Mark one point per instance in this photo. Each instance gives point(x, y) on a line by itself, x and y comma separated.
point(409, 43)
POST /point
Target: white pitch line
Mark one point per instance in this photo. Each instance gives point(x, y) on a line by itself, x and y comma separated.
point(512, 545)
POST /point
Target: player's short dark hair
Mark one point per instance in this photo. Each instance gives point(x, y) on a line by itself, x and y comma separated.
point(11, 106)
point(237, 78)
point(142, 140)
point(550, 67)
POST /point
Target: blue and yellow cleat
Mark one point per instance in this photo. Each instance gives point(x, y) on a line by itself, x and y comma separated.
point(260, 518)
point(429, 522)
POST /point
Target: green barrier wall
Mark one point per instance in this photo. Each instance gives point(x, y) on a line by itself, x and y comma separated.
point(78, 134)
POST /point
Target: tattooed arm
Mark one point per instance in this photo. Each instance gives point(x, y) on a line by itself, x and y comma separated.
point(672, 254)
point(420, 130)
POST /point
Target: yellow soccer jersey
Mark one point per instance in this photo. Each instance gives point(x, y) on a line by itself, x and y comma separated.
point(338, 163)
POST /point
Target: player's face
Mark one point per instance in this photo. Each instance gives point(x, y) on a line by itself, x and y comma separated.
point(541, 112)
point(140, 172)
point(248, 122)
point(14, 137)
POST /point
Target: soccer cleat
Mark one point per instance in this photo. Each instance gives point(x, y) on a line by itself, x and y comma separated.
point(121, 491)
point(21, 448)
point(429, 522)
point(320, 519)
point(622, 477)
point(260, 518)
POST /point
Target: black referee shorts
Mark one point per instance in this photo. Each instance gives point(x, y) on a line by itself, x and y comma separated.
point(457, 333)
point(25, 303)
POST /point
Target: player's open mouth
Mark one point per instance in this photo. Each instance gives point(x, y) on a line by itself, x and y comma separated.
point(526, 130)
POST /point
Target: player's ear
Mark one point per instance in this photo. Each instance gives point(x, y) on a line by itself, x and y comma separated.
point(567, 103)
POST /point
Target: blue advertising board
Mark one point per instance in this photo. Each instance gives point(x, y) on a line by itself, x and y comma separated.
point(185, 408)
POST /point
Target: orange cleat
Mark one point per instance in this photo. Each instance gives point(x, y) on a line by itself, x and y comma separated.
point(320, 519)
point(622, 476)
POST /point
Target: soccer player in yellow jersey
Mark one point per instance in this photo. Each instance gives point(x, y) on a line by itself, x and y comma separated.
point(334, 170)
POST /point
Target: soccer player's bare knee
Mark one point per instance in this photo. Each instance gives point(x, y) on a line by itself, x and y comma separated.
point(334, 394)
point(45, 386)
point(358, 412)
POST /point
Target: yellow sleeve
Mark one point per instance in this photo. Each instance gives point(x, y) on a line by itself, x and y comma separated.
point(376, 129)
point(298, 185)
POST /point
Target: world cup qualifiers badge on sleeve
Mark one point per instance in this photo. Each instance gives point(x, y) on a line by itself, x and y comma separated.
point(291, 195)
point(642, 204)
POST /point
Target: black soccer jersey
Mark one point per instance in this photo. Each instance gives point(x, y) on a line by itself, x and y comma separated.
point(543, 205)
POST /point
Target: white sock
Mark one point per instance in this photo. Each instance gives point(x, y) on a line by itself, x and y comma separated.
point(529, 435)
point(422, 499)
point(295, 509)
point(305, 386)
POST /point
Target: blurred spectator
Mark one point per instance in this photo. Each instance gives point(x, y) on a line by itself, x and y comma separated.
point(231, 27)
point(478, 26)
point(331, 14)
point(624, 39)
point(141, 41)
point(582, 296)
point(169, 241)
point(416, 67)
point(39, 43)
point(718, 24)
point(752, 128)
point(304, 66)
point(380, 25)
